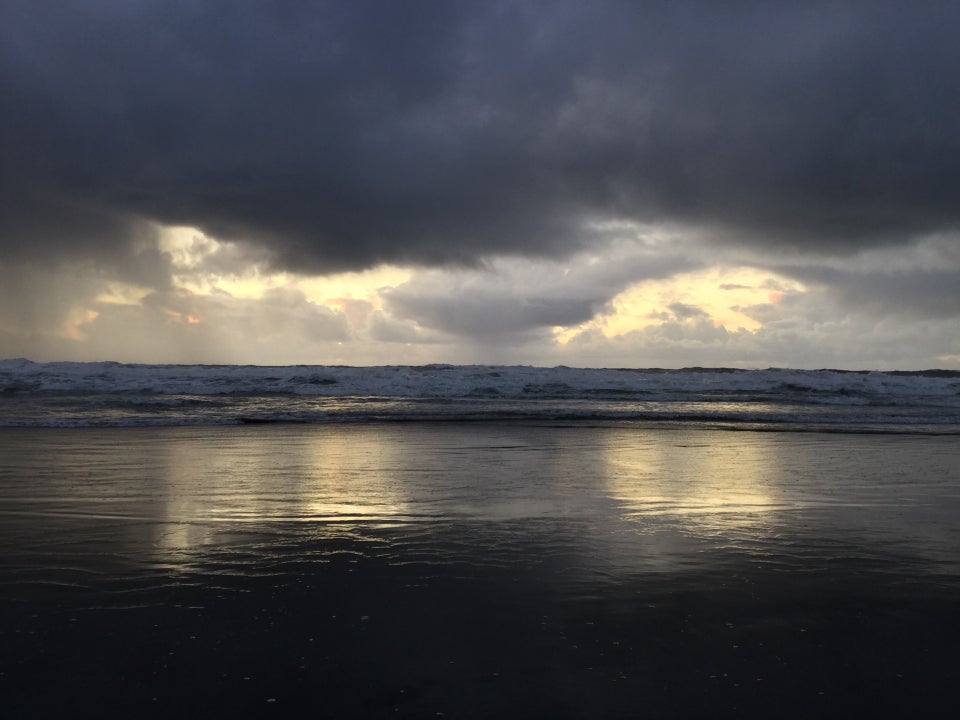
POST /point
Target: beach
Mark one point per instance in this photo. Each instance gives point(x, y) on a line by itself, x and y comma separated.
point(477, 570)
point(469, 360)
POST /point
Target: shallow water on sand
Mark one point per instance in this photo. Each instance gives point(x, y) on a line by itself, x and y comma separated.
point(477, 571)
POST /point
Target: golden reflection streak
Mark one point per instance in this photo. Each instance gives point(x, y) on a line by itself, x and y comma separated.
point(332, 480)
point(721, 484)
point(345, 484)
point(265, 477)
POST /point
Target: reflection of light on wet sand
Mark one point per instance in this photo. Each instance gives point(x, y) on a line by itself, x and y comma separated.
point(266, 477)
point(229, 486)
point(339, 479)
point(350, 477)
point(728, 483)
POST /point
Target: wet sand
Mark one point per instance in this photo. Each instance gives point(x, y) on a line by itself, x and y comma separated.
point(477, 571)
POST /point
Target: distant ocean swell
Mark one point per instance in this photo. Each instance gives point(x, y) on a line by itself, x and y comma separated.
point(115, 394)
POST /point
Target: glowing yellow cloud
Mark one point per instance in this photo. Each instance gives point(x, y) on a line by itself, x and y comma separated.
point(188, 248)
point(76, 323)
point(120, 294)
point(716, 291)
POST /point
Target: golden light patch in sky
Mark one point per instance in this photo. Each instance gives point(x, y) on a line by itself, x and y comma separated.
point(333, 290)
point(202, 265)
point(188, 318)
point(120, 294)
point(716, 291)
point(76, 323)
point(189, 248)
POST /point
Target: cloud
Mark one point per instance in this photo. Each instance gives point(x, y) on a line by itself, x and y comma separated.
point(528, 162)
point(814, 335)
point(504, 299)
point(387, 329)
point(339, 136)
point(682, 311)
point(178, 326)
point(920, 279)
point(480, 313)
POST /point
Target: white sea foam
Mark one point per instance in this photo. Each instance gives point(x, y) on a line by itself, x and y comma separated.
point(435, 381)
point(116, 393)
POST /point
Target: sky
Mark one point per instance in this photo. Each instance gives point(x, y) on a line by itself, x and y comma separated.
point(605, 184)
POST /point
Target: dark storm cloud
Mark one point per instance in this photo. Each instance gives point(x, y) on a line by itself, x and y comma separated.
point(485, 315)
point(913, 294)
point(344, 134)
point(509, 299)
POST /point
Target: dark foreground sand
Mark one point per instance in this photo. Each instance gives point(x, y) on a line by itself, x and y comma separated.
point(477, 571)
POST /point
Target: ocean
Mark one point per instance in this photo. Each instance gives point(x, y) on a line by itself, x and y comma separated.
point(477, 542)
point(115, 394)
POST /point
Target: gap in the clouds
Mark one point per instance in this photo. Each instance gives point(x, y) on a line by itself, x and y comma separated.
point(202, 265)
point(723, 295)
point(639, 301)
point(226, 305)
